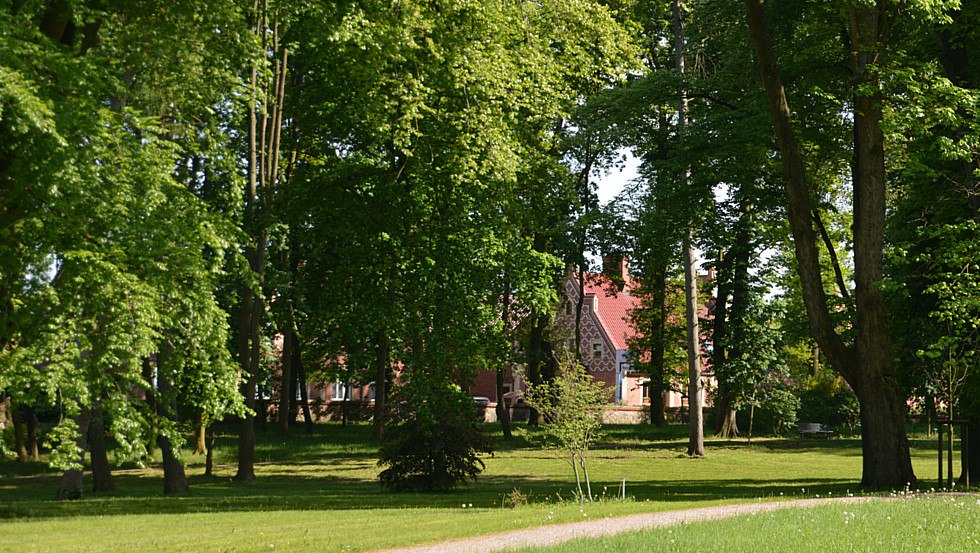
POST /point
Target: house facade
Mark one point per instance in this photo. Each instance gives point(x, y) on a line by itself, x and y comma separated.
point(605, 331)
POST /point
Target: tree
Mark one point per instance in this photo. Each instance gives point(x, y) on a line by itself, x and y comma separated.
point(867, 364)
point(99, 230)
point(436, 443)
point(572, 405)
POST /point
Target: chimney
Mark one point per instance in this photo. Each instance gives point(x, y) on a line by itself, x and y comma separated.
point(616, 267)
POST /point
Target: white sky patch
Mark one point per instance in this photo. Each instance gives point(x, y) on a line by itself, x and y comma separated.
point(612, 183)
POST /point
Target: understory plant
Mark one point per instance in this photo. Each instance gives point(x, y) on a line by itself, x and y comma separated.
point(436, 443)
point(572, 405)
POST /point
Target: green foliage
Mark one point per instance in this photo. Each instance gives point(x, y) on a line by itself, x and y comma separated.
point(435, 443)
point(830, 402)
point(107, 255)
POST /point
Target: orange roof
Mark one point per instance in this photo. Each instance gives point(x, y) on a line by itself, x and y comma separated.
point(613, 307)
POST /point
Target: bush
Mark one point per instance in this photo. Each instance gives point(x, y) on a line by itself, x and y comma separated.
point(436, 443)
point(782, 405)
point(830, 403)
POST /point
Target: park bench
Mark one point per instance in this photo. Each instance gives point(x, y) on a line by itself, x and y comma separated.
point(815, 430)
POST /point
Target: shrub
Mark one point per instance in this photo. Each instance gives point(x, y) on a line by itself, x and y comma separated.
point(830, 403)
point(436, 443)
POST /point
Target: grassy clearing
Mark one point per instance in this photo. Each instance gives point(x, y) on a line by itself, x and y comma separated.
point(917, 524)
point(321, 490)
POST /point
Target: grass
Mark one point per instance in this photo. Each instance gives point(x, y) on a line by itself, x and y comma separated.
point(921, 523)
point(321, 491)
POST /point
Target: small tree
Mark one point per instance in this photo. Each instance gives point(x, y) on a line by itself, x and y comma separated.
point(436, 443)
point(954, 353)
point(572, 406)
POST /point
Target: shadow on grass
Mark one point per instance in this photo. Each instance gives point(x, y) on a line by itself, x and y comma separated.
point(335, 469)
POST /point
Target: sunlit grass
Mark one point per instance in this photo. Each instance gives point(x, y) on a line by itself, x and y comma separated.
point(915, 524)
point(323, 487)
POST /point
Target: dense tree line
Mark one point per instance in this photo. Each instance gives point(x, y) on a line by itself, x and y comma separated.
point(201, 201)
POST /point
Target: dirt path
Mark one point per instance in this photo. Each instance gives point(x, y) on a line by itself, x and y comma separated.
point(549, 535)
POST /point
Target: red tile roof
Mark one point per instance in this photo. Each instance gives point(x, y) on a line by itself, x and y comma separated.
point(613, 307)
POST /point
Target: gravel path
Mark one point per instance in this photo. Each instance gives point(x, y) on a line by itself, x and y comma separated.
point(549, 535)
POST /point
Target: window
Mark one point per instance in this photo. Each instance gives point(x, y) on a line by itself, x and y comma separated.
point(371, 392)
point(339, 391)
point(596, 349)
point(568, 308)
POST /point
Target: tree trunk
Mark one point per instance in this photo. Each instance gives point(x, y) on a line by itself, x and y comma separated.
point(695, 397)
point(815, 366)
point(657, 387)
point(209, 460)
point(735, 332)
point(867, 366)
point(286, 383)
point(72, 480)
point(955, 59)
point(695, 394)
point(343, 406)
point(887, 461)
point(200, 433)
point(503, 413)
point(303, 392)
point(294, 386)
point(174, 477)
point(5, 414)
point(535, 359)
point(149, 378)
point(382, 366)
point(246, 433)
point(20, 433)
point(32, 425)
point(101, 471)
point(658, 405)
point(728, 425)
point(973, 452)
point(719, 341)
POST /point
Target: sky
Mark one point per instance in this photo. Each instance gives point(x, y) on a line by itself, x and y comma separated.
point(611, 184)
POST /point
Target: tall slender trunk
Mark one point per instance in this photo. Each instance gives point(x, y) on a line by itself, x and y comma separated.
point(209, 460)
point(867, 365)
point(382, 367)
point(264, 133)
point(286, 389)
point(149, 381)
point(658, 346)
point(736, 313)
point(303, 391)
point(503, 413)
point(695, 394)
point(720, 340)
point(101, 471)
point(72, 480)
point(246, 433)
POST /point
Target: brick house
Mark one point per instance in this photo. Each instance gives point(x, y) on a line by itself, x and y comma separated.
point(605, 329)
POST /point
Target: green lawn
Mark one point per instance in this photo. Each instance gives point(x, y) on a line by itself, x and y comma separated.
point(918, 524)
point(320, 490)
